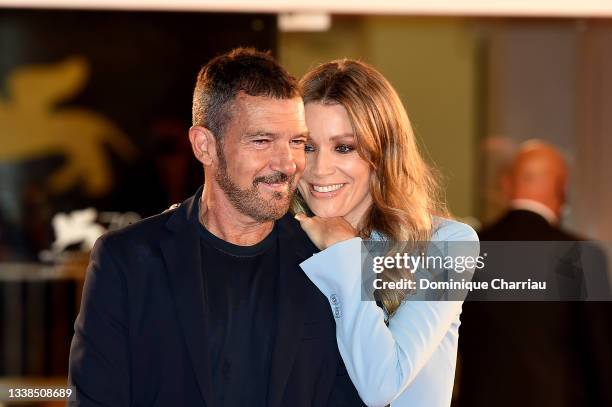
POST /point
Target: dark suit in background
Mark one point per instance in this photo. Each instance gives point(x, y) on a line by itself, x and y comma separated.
point(534, 353)
point(140, 338)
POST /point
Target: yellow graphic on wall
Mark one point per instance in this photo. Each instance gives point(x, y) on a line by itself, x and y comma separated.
point(33, 125)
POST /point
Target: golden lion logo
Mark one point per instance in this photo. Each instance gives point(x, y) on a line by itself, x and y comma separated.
point(33, 126)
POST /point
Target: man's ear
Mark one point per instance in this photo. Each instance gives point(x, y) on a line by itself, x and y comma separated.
point(203, 144)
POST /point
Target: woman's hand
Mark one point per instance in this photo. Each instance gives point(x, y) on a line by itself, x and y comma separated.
point(325, 232)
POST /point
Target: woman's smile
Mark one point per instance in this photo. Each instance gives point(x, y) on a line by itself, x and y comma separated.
point(326, 191)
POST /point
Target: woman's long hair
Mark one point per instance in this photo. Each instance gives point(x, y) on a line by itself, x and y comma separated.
point(404, 190)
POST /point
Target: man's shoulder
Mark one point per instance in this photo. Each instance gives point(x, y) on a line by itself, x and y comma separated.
point(148, 229)
point(153, 228)
point(525, 225)
point(290, 231)
point(288, 225)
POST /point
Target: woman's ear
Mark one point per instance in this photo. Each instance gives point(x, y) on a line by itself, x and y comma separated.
point(203, 144)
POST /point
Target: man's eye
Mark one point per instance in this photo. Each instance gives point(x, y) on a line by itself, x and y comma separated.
point(261, 141)
point(344, 148)
point(298, 142)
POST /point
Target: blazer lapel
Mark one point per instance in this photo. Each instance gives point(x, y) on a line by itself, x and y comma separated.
point(181, 251)
point(293, 249)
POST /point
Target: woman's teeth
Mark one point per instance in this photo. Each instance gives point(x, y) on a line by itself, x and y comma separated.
point(327, 188)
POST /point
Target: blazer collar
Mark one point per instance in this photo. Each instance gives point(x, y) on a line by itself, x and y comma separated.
point(535, 207)
point(181, 251)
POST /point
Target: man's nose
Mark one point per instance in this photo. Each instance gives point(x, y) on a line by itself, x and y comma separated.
point(284, 160)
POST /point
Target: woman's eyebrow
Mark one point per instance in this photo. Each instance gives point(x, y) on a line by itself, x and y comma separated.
point(342, 136)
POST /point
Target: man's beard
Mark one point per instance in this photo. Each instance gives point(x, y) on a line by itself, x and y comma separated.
point(249, 201)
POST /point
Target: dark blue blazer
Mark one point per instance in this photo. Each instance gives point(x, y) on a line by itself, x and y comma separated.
point(140, 337)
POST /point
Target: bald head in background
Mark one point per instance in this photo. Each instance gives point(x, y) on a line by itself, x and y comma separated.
point(538, 173)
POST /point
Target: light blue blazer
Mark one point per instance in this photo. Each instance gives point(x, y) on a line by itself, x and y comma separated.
point(412, 361)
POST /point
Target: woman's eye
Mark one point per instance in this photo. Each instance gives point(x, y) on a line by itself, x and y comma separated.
point(309, 148)
point(344, 148)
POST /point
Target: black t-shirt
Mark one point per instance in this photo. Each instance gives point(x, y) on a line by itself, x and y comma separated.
point(241, 289)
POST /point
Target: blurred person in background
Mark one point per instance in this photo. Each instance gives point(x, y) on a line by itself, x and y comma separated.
point(365, 179)
point(536, 187)
point(205, 304)
point(535, 353)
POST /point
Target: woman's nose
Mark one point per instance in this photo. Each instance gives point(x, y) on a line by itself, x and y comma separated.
point(320, 164)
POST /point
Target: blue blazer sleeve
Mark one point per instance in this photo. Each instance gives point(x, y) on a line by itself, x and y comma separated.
point(99, 356)
point(383, 361)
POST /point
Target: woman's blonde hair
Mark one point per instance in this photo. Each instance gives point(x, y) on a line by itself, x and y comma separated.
point(404, 190)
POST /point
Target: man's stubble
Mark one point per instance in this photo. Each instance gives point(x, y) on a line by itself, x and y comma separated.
point(249, 201)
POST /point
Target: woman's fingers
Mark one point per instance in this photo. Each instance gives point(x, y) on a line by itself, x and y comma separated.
point(300, 216)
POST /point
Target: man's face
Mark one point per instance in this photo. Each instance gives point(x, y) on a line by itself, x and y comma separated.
point(261, 155)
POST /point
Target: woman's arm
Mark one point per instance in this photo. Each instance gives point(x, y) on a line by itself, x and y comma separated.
point(382, 361)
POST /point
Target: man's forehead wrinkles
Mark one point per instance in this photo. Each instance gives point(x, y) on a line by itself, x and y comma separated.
point(273, 118)
point(276, 125)
point(266, 114)
point(262, 103)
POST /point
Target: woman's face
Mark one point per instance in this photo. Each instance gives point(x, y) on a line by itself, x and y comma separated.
point(336, 178)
